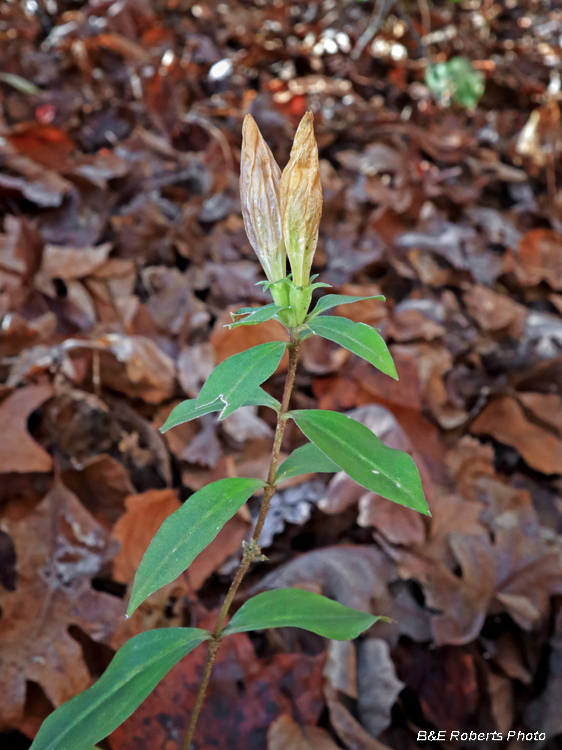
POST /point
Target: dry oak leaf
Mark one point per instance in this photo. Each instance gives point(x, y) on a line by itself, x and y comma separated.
point(59, 547)
point(517, 573)
point(539, 258)
point(18, 451)
point(286, 734)
point(135, 366)
point(504, 419)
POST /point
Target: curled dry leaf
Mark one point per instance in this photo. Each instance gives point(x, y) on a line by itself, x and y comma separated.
point(19, 452)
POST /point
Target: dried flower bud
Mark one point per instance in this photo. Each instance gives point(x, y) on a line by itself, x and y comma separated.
point(301, 201)
point(259, 193)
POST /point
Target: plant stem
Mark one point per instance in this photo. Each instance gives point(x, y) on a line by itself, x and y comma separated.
point(251, 550)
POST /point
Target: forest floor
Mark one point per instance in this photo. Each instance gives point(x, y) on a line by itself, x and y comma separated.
point(123, 252)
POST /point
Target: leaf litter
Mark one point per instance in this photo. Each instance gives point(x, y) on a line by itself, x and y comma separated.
point(122, 255)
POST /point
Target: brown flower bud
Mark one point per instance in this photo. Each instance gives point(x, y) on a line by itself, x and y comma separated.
point(259, 193)
point(301, 201)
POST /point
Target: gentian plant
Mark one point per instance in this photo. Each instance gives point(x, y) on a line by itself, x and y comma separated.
point(281, 215)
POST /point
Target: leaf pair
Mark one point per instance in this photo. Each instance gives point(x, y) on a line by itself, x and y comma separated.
point(144, 660)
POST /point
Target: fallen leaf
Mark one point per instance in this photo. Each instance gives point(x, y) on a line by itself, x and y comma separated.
point(538, 258)
point(102, 484)
point(53, 592)
point(348, 729)
point(444, 680)
point(134, 365)
point(398, 524)
point(19, 452)
point(500, 689)
point(286, 734)
point(495, 312)
point(377, 685)
point(226, 342)
point(504, 419)
point(144, 515)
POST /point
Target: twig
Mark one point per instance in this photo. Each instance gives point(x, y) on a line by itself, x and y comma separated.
point(382, 7)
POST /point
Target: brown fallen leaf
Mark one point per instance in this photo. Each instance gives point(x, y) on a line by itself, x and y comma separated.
point(59, 548)
point(348, 729)
point(495, 312)
point(544, 407)
point(18, 451)
point(504, 419)
point(538, 258)
point(286, 734)
point(134, 365)
point(444, 680)
point(68, 263)
point(377, 685)
point(226, 342)
point(102, 484)
point(398, 524)
point(517, 572)
point(500, 689)
point(135, 529)
point(411, 324)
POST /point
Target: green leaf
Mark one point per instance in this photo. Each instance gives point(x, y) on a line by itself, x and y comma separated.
point(300, 609)
point(236, 379)
point(333, 300)
point(19, 83)
point(134, 672)
point(367, 460)
point(307, 458)
point(188, 410)
point(456, 80)
point(256, 315)
point(359, 338)
point(187, 532)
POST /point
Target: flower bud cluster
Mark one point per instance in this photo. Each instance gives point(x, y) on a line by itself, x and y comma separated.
point(282, 210)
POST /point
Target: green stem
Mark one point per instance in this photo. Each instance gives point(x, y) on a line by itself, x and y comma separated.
point(251, 550)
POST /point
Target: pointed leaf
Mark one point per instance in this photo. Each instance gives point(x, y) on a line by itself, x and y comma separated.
point(256, 315)
point(301, 609)
point(236, 379)
point(187, 532)
point(359, 338)
point(188, 410)
point(306, 459)
point(367, 460)
point(333, 300)
point(134, 672)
